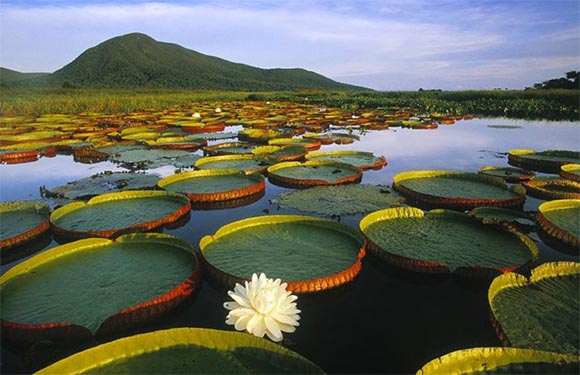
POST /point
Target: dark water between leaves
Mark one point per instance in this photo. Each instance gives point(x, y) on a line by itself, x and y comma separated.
point(386, 320)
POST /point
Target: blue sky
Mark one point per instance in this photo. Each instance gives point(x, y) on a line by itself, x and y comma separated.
point(382, 44)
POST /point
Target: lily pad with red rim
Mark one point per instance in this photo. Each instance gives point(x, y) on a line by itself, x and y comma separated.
point(22, 221)
point(246, 163)
point(548, 161)
point(509, 174)
point(553, 188)
point(571, 172)
point(361, 159)
point(294, 174)
point(559, 224)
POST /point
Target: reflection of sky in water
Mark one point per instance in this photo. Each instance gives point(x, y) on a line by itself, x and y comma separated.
point(467, 145)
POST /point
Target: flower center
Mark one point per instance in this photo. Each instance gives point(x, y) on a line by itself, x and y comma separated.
point(265, 300)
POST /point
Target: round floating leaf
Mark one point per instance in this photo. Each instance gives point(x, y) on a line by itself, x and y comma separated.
point(329, 138)
point(281, 153)
point(541, 313)
point(112, 214)
point(501, 361)
point(259, 135)
point(442, 241)
point(553, 188)
point(498, 215)
point(341, 199)
point(21, 222)
point(186, 351)
point(246, 163)
point(229, 148)
point(548, 161)
point(512, 175)
point(319, 172)
point(504, 126)
point(571, 172)
point(360, 159)
point(309, 144)
point(559, 224)
point(215, 185)
point(101, 183)
point(96, 286)
point(457, 190)
point(308, 253)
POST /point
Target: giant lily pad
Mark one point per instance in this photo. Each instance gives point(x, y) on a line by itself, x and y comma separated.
point(96, 286)
point(309, 144)
point(541, 313)
point(259, 135)
point(341, 199)
point(498, 215)
point(246, 163)
point(548, 161)
point(571, 172)
point(229, 148)
point(308, 253)
point(360, 159)
point(553, 188)
point(145, 158)
point(21, 222)
point(102, 183)
point(443, 241)
point(281, 153)
point(457, 190)
point(311, 173)
point(207, 187)
point(559, 224)
point(186, 351)
point(112, 214)
point(512, 175)
point(329, 138)
point(501, 361)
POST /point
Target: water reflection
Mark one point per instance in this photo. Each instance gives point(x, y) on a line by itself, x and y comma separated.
point(386, 320)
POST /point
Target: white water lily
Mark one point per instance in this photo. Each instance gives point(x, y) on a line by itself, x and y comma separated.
point(196, 115)
point(263, 306)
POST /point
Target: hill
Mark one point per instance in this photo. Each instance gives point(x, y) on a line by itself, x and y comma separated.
point(9, 77)
point(138, 61)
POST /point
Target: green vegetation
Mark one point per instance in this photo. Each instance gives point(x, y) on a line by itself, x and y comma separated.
point(570, 82)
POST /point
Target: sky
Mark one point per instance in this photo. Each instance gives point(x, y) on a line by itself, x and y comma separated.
point(382, 44)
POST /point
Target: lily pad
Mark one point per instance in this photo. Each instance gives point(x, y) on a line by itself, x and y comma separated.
point(101, 183)
point(512, 175)
point(541, 313)
point(496, 215)
point(309, 144)
point(559, 224)
point(571, 172)
point(281, 153)
point(22, 221)
point(548, 161)
point(443, 241)
point(329, 138)
point(553, 188)
point(341, 199)
point(96, 286)
point(457, 190)
point(112, 214)
point(308, 253)
point(186, 351)
point(360, 159)
point(229, 148)
point(311, 173)
point(246, 163)
point(501, 361)
point(142, 159)
point(215, 185)
point(260, 135)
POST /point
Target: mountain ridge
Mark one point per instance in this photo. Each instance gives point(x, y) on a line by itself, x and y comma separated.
point(136, 60)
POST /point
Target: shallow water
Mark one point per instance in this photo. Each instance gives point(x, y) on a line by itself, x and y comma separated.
point(386, 320)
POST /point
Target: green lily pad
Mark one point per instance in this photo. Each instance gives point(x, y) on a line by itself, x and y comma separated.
point(109, 215)
point(229, 148)
point(308, 253)
point(501, 361)
point(281, 153)
point(186, 351)
point(22, 221)
point(260, 135)
point(101, 183)
point(311, 173)
point(541, 313)
point(457, 190)
point(571, 172)
point(498, 215)
point(329, 138)
point(215, 136)
point(512, 175)
point(341, 199)
point(553, 188)
point(559, 224)
point(309, 144)
point(142, 159)
point(215, 185)
point(442, 241)
point(97, 285)
point(246, 163)
point(548, 161)
point(504, 126)
point(360, 159)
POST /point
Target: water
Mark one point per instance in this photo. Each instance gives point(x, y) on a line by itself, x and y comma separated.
point(386, 320)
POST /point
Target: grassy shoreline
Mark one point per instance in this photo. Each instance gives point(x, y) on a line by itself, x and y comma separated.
point(527, 104)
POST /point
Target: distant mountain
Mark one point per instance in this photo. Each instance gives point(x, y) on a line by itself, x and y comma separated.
point(137, 60)
point(10, 77)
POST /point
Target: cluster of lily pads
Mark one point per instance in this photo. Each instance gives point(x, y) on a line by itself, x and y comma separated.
point(475, 228)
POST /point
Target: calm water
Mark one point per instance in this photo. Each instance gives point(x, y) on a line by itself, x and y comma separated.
point(386, 320)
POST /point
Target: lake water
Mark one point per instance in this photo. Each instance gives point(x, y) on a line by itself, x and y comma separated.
point(386, 320)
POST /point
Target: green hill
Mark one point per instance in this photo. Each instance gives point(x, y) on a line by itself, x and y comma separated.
point(10, 77)
point(136, 61)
